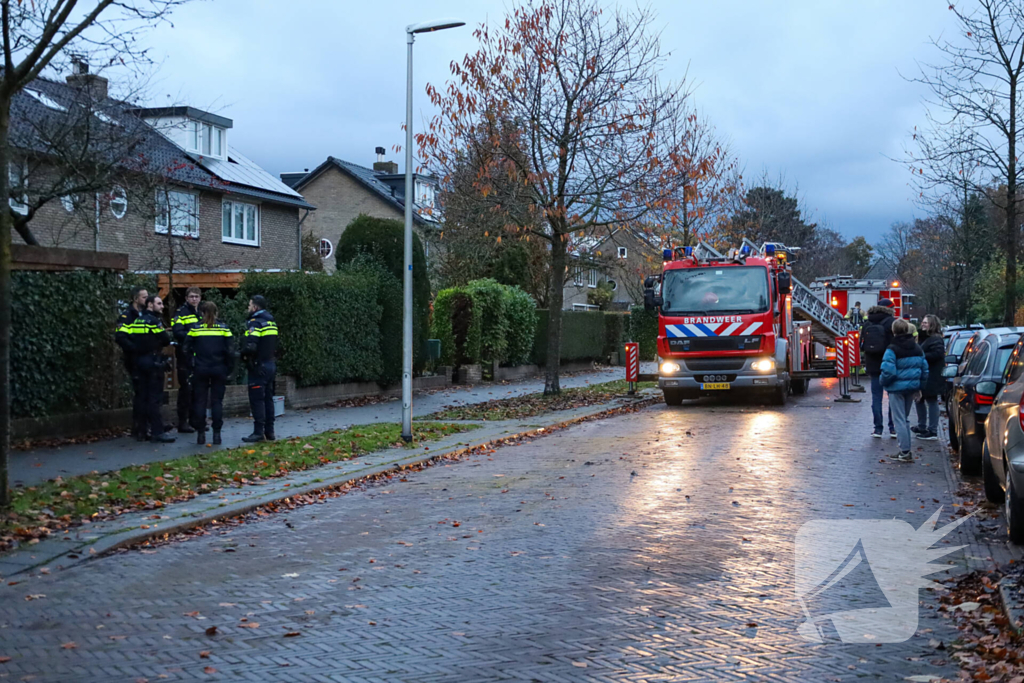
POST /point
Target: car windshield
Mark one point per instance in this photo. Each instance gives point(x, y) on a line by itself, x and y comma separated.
point(1004, 355)
point(728, 289)
point(958, 346)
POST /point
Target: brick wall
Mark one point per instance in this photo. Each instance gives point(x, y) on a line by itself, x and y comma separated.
point(135, 234)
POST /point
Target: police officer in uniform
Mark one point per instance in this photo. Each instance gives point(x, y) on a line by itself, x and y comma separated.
point(258, 350)
point(210, 347)
point(149, 343)
point(185, 319)
point(125, 336)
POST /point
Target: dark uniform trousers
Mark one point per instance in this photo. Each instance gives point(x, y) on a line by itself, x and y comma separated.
point(208, 388)
point(261, 395)
point(185, 390)
point(139, 423)
point(151, 391)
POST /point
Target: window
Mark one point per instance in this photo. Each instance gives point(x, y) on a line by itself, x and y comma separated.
point(46, 100)
point(979, 359)
point(577, 276)
point(326, 248)
point(70, 201)
point(613, 284)
point(1016, 366)
point(206, 139)
point(178, 211)
point(118, 200)
point(592, 278)
point(192, 133)
point(17, 182)
point(622, 252)
point(240, 223)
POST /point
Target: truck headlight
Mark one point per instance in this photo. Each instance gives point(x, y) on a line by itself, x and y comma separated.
point(763, 365)
point(669, 367)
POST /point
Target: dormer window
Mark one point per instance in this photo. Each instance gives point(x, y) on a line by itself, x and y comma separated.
point(207, 139)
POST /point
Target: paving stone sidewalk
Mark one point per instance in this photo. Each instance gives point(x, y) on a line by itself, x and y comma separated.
point(655, 546)
point(41, 464)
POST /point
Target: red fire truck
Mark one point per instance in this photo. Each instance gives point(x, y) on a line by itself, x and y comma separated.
point(738, 322)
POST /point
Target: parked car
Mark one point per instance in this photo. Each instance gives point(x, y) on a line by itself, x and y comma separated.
point(978, 379)
point(956, 345)
point(948, 331)
point(1003, 452)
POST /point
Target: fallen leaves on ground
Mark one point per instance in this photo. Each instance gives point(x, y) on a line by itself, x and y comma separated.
point(69, 646)
point(530, 405)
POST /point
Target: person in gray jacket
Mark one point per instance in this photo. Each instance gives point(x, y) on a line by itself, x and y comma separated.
point(930, 339)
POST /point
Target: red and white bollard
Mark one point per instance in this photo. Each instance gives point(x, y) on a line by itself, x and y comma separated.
point(632, 366)
point(844, 355)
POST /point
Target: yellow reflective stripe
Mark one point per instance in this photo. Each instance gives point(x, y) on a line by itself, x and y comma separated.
point(186, 319)
point(262, 332)
point(209, 332)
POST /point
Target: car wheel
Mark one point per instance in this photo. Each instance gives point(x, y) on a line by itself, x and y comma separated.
point(993, 487)
point(970, 455)
point(673, 397)
point(1014, 511)
point(780, 394)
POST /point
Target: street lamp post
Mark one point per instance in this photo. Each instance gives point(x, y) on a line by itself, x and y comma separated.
point(410, 34)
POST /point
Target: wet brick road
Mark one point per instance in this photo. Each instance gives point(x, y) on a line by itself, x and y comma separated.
point(656, 546)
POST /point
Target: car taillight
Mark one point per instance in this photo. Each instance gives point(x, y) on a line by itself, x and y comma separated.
point(1020, 412)
point(985, 393)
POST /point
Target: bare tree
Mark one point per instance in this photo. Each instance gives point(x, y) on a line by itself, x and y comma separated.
point(37, 36)
point(582, 86)
point(973, 117)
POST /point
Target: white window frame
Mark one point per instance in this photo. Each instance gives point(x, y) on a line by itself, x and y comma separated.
point(577, 275)
point(46, 100)
point(242, 240)
point(118, 197)
point(614, 285)
point(592, 278)
point(163, 216)
point(623, 252)
point(17, 206)
point(330, 248)
point(193, 136)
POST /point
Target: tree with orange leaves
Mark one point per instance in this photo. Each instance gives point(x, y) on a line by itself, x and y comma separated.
point(592, 139)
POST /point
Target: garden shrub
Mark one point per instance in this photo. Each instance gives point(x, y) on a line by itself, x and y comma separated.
point(521, 313)
point(384, 240)
point(489, 305)
point(643, 329)
point(614, 332)
point(457, 324)
point(389, 297)
point(583, 336)
point(329, 324)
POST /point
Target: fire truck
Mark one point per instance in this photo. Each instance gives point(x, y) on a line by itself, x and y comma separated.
point(739, 322)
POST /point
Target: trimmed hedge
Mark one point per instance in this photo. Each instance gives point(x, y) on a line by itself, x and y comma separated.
point(330, 325)
point(521, 311)
point(489, 303)
point(484, 321)
point(583, 336)
point(643, 328)
point(614, 332)
point(384, 240)
point(63, 355)
point(457, 324)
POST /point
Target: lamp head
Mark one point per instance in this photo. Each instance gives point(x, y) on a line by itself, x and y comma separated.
point(436, 25)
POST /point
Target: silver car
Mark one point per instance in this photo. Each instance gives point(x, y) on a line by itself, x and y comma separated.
point(1003, 450)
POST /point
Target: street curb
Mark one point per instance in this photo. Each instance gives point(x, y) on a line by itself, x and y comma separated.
point(131, 536)
point(1011, 594)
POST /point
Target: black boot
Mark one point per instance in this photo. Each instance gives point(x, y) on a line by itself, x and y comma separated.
point(200, 437)
point(269, 436)
point(162, 438)
point(185, 428)
point(255, 437)
point(216, 437)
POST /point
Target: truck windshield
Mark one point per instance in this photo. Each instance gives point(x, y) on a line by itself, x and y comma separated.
point(728, 289)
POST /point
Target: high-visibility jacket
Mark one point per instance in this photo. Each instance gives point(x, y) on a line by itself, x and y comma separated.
point(129, 326)
point(211, 350)
point(184, 320)
point(260, 343)
point(149, 334)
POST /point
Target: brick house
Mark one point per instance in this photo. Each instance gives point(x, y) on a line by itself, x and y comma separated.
point(341, 190)
point(185, 197)
point(622, 259)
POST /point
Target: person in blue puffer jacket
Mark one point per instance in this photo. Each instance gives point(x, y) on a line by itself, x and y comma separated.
point(904, 374)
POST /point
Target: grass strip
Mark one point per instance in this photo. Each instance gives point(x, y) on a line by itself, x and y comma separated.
point(531, 405)
point(46, 508)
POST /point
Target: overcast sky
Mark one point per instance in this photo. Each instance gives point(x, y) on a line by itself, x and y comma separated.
point(810, 89)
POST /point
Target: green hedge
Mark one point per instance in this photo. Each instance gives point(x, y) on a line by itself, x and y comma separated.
point(643, 328)
point(521, 310)
point(63, 355)
point(484, 321)
point(583, 336)
point(384, 240)
point(489, 303)
point(329, 324)
point(457, 324)
point(614, 332)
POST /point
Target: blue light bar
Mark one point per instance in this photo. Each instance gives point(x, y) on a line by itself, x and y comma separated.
point(666, 254)
point(688, 251)
point(769, 249)
point(745, 250)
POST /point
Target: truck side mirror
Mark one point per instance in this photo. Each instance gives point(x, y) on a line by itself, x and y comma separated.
point(651, 300)
point(650, 281)
point(785, 283)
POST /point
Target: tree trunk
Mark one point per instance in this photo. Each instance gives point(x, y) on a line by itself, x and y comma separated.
point(6, 228)
point(556, 295)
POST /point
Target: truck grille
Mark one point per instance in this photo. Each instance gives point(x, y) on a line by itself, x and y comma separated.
point(715, 364)
point(731, 343)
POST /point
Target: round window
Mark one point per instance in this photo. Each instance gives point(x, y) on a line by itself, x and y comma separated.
point(326, 248)
point(614, 285)
point(118, 202)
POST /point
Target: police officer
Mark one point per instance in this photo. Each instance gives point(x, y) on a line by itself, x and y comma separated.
point(125, 336)
point(258, 351)
point(185, 319)
point(150, 340)
point(209, 346)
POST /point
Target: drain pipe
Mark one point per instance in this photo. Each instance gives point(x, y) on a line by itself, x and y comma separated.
point(301, 221)
point(96, 234)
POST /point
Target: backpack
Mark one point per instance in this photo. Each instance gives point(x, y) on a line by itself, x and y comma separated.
point(873, 338)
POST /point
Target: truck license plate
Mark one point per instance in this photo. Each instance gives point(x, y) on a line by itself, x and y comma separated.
point(709, 386)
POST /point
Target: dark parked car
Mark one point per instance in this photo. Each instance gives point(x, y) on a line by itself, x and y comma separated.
point(948, 331)
point(978, 379)
point(957, 343)
point(1003, 453)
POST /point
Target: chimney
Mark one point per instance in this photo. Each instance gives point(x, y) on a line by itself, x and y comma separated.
point(81, 78)
point(381, 166)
